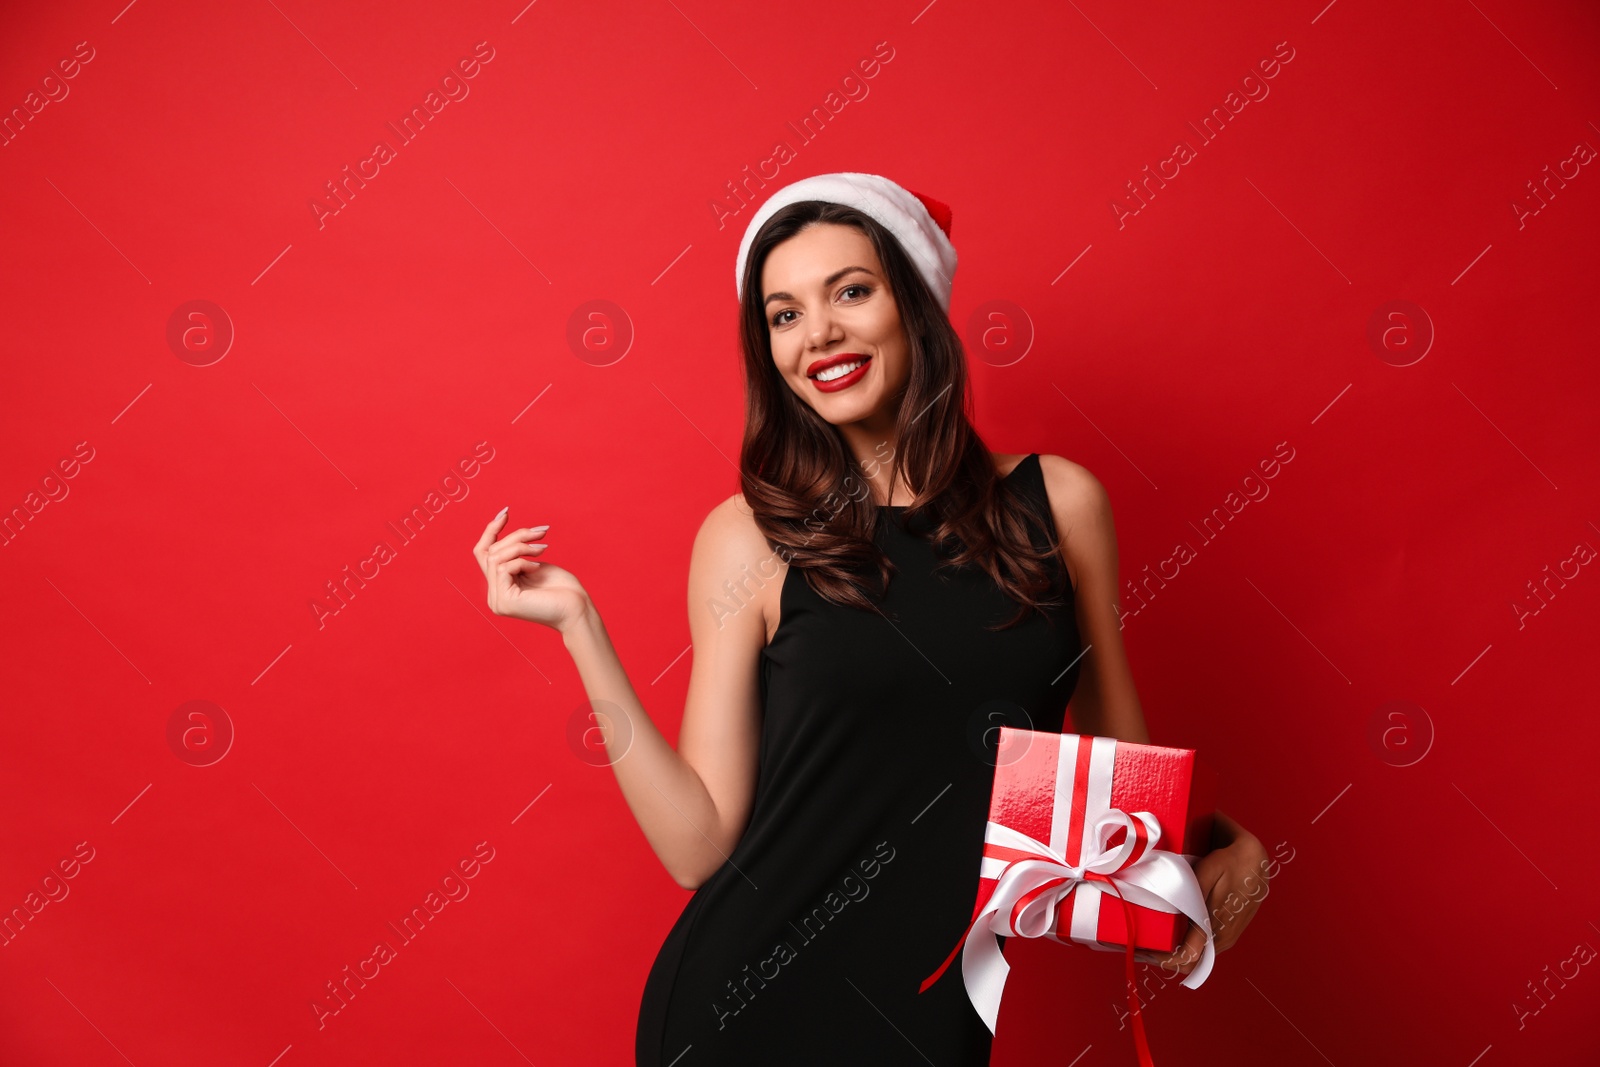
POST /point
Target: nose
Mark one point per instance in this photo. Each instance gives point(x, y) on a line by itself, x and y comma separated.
point(824, 330)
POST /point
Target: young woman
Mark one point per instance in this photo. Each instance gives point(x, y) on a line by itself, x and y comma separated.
point(881, 597)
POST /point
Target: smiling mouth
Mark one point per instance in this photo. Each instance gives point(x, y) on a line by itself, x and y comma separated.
point(840, 370)
point(841, 374)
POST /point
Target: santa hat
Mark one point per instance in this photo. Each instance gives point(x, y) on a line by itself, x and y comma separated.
point(920, 223)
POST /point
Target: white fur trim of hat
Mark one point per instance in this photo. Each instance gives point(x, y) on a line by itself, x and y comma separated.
point(920, 223)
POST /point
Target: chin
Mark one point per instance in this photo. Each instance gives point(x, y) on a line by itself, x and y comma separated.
point(840, 411)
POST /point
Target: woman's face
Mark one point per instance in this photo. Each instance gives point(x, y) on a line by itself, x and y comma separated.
point(828, 305)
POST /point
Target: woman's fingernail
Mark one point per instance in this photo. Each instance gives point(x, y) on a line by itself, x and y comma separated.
point(502, 511)
point(540, 529)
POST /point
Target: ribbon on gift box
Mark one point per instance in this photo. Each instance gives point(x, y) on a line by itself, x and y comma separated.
point(1035, 879)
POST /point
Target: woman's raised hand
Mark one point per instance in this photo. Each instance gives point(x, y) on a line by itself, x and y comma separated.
point(527, 588)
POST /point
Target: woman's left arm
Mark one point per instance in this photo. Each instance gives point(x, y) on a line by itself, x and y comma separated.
point(1106, 704)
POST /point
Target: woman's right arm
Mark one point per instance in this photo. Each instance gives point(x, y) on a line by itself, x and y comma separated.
point(694, 802)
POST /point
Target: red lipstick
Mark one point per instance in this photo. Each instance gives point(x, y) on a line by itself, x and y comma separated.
point(844, 381)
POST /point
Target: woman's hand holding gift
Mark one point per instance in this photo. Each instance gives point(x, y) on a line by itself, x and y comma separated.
point(1233, 877)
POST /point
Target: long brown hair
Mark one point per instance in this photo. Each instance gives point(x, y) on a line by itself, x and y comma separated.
point(798, 475)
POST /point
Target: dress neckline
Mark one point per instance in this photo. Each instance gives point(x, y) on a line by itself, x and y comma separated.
point(1004, 478)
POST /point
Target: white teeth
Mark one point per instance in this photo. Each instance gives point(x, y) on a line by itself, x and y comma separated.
point(839, 371)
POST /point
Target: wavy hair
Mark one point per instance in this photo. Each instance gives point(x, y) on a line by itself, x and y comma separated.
point(799, 478)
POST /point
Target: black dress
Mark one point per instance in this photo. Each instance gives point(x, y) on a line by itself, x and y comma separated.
point(858, 870)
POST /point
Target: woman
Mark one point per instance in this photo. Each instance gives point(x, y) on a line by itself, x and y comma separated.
point(881, 597)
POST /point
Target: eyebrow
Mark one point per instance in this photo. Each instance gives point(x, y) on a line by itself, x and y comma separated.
point(826, 283)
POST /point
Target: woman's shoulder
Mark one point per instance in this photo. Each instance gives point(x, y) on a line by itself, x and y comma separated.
point(1075, 494)
point(1062, 476)
point(730, 529)
point(732, 565)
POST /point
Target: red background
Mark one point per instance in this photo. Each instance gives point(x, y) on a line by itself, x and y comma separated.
point(372, 352)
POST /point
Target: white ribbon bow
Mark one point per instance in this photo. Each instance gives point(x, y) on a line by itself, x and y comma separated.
point(1159, 880)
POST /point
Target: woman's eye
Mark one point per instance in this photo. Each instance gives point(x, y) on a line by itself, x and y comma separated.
point(779, 320)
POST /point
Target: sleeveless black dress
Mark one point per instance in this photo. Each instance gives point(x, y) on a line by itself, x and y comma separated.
point(858, 870)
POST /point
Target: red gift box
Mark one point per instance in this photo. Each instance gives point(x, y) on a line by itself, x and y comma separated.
point(1088, 837)
point(1052, 787)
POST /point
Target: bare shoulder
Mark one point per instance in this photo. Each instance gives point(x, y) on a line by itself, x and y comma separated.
point(732, 563)
point(730, 527)
point(1077, 499)
point(1082, 512)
